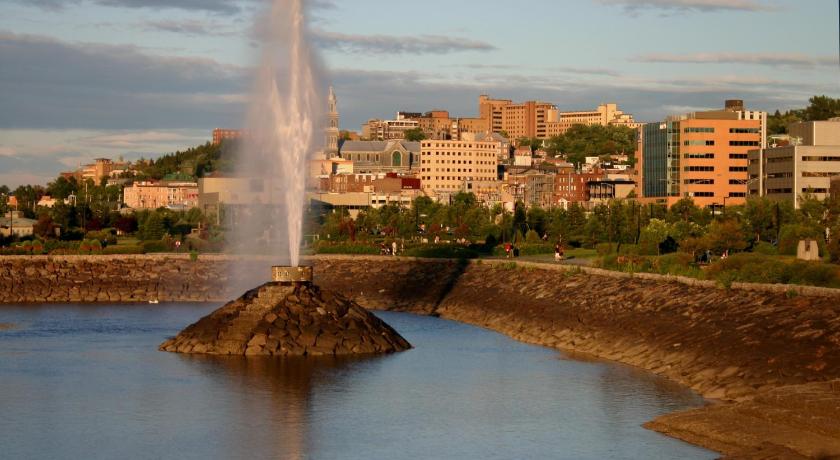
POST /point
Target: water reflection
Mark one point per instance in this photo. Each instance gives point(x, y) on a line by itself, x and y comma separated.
point(275, 396)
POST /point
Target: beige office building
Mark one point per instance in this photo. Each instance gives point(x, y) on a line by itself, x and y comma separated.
point(448, 167)
point(807, 166)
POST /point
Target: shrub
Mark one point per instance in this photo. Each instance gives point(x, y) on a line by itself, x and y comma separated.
point(155, 246)
point(136, 249)
point(766, 249)
point(526, 249)
point(532, 237)
point(323, 247)
point(442, 251)
point(760, 268)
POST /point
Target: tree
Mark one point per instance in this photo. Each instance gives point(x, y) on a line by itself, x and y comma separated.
point(152, 228)
point(821, 108)
point(581, 141)
point(415, 135)
point(45, 228)
point(726, 235)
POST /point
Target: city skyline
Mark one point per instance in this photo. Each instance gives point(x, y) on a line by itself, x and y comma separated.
point(88, 78)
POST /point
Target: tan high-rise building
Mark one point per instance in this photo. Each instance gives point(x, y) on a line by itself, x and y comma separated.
point(449, 167)
point(806, 166)
point(491, 111)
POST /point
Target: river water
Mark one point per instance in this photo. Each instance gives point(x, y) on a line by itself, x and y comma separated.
point(86, 381)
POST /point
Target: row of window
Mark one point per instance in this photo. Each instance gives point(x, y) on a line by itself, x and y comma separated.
point(482, 171)
point(453, 162)
point(699, 130)
point(819, 174)
point(712, 168)
point(744, 130)
point(699, 142)
point(820, 158)
point(744, 143)
point(709, 156)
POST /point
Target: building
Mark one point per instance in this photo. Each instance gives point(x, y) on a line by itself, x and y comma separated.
point(806, 166)
point(381, 156)
point(153, 195)
point(572, 187)
point(13, 223)
point(221, 134)
point(530, 186)
point(101, 168)
point(385, 130)
point(490, 110)
point(705, 154)
point(542, 119)
point(604, 115)
point(522, 156)
point(449, 167)
point(332, 132)
point(653, 160)
point(609, 189)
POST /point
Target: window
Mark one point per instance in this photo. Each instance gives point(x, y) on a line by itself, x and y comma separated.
point(699, 130)
point(737, 194)
point(744, 130)
point(699, 182)
point(818, 174)
point(737, 156)
point(700, 142)
point(699, 168)
point(820, 158)
point(779, 190)
point(699, 155)
point(737, 169)
point(744, 143)
point(704, 194)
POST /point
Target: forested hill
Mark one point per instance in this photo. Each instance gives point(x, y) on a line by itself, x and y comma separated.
point(194, 162)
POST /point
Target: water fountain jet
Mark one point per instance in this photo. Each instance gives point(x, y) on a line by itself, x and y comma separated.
point(288, 316)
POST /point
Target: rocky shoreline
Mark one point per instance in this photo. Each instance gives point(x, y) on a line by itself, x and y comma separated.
point(768, 354)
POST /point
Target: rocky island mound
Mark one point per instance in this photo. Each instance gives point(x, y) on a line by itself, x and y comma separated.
point(283, 319)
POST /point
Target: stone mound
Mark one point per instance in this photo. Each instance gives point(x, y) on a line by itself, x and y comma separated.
point(281, 319)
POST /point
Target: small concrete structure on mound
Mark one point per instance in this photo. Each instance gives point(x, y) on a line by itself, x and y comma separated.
point(288, 319)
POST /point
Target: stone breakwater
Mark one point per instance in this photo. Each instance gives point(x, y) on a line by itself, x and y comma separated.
point(42, 279)
point(280, 319)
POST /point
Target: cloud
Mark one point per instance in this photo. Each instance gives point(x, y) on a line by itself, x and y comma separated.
point(767, 59)
point(704, 6)
point(365, 94)
point(53, 84)
point(193, 27)
point(37, 156)
point(393, 44)
point(215, 6)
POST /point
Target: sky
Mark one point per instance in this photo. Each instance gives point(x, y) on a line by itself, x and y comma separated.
point(82, 79)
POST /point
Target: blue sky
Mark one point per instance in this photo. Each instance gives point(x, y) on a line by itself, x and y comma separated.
point(81, 79)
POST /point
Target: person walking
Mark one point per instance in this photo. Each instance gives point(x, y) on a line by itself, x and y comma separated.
point(508, 248)
point(557, 252)
point(394, 248)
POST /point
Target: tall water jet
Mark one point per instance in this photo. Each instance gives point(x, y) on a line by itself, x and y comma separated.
point(289, 315)
point(285, 119)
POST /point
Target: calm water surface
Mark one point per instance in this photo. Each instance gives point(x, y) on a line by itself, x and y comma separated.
point(87, 382)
